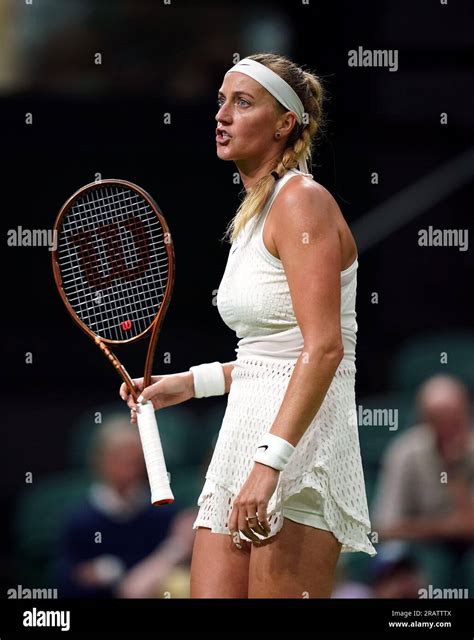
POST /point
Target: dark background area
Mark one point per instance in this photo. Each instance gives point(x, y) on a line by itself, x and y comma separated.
point(109, 119)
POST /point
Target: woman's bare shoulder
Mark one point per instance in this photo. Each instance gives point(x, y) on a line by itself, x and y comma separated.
point(305, 195)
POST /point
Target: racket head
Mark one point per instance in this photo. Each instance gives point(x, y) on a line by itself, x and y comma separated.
point(114, 262)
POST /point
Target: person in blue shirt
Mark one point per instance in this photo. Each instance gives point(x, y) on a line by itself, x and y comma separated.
point(116, 544)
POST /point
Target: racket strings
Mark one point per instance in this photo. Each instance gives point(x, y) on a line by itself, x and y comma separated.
point(107, 300)
point(104, 263)
point(113, 261)
point(125, 203)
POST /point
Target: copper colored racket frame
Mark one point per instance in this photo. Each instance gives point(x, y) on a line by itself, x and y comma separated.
point(155, 326)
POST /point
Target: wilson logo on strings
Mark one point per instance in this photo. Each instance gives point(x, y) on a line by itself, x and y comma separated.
point(102, 256)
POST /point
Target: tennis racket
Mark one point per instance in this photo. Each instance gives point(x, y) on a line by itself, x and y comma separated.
point(114, 268)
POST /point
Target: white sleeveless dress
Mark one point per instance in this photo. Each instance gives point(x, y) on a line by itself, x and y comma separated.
point(254, 300)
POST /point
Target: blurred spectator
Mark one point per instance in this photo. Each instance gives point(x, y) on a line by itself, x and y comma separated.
point(425, 493)
point(117, 544)
point(393, 573)
point(348, 587)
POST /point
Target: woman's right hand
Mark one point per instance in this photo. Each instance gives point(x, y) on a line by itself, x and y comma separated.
point(164, 391)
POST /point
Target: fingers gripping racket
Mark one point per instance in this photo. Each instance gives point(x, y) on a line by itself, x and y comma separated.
point(114, 268)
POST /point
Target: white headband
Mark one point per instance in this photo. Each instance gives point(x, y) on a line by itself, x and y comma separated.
point(275, 85)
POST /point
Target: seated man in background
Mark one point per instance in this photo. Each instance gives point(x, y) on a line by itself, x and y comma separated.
point(425, 492)
point(117, 544)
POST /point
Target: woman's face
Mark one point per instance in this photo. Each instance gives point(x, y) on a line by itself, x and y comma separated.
point(247, 112)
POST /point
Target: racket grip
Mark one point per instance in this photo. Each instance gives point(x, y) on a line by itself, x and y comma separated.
point(153, 452)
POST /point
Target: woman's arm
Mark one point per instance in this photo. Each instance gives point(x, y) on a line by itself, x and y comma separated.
point(307, 240)
point(169, 389)
point(305, 393)
point(228, 366)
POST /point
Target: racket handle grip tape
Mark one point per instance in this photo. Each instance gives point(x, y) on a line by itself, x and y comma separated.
point(153, 452)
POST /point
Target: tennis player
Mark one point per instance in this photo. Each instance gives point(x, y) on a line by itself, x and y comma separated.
point(284, 493)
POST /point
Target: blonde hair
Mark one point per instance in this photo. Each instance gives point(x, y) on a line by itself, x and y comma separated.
point(300, 142)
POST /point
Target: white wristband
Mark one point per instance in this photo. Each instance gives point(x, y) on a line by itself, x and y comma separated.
point(209, 379)
point(274, 451)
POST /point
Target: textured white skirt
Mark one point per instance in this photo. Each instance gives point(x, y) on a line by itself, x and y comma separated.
point(326, 459)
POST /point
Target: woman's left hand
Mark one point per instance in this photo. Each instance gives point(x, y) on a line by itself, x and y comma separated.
point(252, 503)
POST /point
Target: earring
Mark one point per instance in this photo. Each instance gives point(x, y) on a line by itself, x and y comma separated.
point(277, 134)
